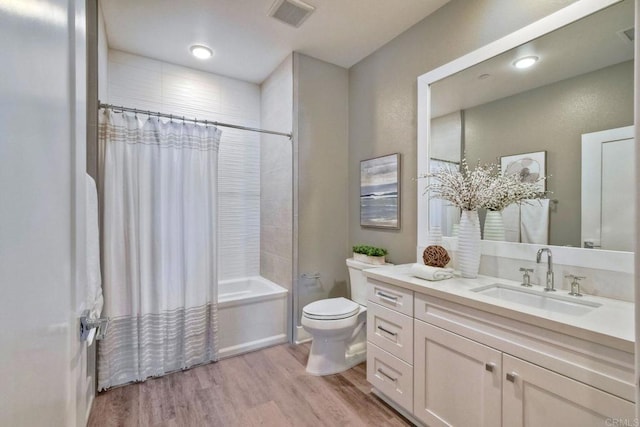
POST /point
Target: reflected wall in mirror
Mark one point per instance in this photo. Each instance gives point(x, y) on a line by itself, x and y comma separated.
point(581, 83)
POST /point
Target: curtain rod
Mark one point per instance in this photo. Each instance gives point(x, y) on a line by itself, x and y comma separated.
point(205, 122)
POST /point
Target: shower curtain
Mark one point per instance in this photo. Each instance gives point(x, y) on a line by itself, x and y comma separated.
point(158, 194)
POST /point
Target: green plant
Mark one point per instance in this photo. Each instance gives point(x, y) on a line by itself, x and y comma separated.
point(369, 250)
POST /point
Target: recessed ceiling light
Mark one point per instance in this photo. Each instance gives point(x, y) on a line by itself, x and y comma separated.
point(484, 76)
point(201, 52)
point(525, 62)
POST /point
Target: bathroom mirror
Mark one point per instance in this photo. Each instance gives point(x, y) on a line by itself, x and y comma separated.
point(480, 103)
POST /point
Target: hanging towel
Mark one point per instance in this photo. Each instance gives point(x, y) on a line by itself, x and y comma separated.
point(534, 225)
point(511, 221)
point(431, 273)
point(94, 280)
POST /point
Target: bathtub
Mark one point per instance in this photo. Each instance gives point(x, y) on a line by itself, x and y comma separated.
point(252, 314)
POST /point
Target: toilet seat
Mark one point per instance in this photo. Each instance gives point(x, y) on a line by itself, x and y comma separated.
point(331, 309)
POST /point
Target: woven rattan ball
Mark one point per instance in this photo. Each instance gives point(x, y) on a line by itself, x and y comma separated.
point(435, 256)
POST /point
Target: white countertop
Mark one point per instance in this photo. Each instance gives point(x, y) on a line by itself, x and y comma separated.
point(611, 324)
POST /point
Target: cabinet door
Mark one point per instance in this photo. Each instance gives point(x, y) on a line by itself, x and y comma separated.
point(457, 381)
point(534, 396)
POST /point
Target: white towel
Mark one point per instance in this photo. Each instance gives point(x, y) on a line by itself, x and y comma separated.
point(534, 225)
point(95, 301)
point(431, 273)
point(511, 221)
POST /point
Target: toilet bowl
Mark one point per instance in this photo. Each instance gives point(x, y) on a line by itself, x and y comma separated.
point(338, 327)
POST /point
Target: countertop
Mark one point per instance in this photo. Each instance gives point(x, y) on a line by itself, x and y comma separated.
point(611, 324)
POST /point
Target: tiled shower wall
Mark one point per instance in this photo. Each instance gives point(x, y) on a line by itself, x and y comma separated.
point(276, 169)
point(143, 83)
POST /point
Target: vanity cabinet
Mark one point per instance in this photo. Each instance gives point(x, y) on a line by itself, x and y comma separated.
point(446, 363)
point(457, 380)
point(534, 396)
point(390, 342)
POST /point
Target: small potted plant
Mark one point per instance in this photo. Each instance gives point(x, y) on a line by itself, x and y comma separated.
point(369, 254)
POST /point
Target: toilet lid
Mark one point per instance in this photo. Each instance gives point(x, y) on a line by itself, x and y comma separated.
point(331, 309)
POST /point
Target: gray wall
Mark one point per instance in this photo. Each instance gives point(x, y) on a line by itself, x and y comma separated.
point(321, 129)
point(552, 119)
point(382, 97)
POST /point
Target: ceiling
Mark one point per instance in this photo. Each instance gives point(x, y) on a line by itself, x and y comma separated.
point(248, 44)
point(586, 45)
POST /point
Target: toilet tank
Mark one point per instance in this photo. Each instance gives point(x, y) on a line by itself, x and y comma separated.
point(358, 280)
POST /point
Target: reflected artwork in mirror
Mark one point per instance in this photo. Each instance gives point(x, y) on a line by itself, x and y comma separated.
point(580, 84)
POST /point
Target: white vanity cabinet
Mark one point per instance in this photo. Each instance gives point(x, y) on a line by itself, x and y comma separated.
point(534, 396)
point(457, 380)
point(476, 364)
point(390, 342)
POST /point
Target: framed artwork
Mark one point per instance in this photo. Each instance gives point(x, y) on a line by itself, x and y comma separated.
point(528, 166)
point(380, 192)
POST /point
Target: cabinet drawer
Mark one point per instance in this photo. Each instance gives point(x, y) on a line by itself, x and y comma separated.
point(391, 376)
point(391, 331)
point(390, 296)
point(421, 303)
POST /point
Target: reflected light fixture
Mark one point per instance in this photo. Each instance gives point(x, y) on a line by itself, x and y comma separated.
point(525, 62)
point(201, 52)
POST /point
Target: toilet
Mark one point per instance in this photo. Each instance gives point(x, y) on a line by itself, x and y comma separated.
point(338, 327)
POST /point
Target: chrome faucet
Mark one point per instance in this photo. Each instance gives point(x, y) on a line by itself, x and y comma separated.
point(550, 286)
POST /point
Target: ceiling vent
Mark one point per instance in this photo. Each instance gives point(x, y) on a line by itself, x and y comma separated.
point(291, 12)
point(627, 35)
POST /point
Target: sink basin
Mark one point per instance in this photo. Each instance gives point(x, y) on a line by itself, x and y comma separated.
point(547, 301)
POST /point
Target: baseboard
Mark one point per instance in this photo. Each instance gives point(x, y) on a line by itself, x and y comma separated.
point(397, 408)
point(252, 346)
point(89, 407)
point(302, 336)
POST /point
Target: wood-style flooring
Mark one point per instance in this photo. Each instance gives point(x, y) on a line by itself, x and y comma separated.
point(265, 388)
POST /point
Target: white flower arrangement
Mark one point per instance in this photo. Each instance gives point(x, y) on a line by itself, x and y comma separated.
point(508, 189)
point(484, 187)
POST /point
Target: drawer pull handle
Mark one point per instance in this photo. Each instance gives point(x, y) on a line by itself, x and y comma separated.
point(511, 377)
point(381, 372)
point(489, 366)
point(387, 331)
point(389, 298)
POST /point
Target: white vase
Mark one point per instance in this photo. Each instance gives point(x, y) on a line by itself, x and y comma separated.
point(494, 226)
point(469, 244)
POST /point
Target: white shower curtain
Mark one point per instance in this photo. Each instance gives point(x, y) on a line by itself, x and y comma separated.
point(158, 188)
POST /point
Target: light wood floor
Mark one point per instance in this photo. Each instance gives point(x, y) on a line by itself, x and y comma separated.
point(265, 388)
